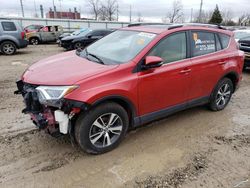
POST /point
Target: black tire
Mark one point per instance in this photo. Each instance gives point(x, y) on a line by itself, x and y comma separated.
point(8, 48)
point(85, 128)
point(221, 95)
point(78, 45)
point(34, 41)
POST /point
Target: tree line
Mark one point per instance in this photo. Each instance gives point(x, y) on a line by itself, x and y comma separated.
point(109, 10)
point(215, 16)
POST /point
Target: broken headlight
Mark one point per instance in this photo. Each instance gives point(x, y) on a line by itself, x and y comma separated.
point(52, 95)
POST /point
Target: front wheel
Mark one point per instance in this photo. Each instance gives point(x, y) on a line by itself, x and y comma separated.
point(102, 128)
point(78, 46)
point(221, 94)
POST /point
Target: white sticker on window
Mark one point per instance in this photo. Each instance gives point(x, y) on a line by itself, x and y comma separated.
point(148, 35)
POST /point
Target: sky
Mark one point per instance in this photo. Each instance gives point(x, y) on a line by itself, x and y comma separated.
point(151, 10)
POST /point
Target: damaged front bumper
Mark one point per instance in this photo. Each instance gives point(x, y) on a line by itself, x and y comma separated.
point(55, 119)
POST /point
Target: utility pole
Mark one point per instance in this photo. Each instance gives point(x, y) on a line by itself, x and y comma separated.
point(54, 9)
point(191, 20)
point(36, 15)
point(117, 12)
point(21, 2)
point(130, 13)
point(41, 10)
point(200, 10)
point(61, 7)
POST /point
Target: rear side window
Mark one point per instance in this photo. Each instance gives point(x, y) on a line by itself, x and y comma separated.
point(96, 33)
point(9, 26)
point(203, 43)
point(172, 48)
point(225, 39)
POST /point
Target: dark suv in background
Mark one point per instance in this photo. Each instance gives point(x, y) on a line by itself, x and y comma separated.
point(83, 40)
point(12, 37)
point(244, 44)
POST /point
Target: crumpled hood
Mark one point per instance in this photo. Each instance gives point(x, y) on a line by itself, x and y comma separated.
point(63, 69)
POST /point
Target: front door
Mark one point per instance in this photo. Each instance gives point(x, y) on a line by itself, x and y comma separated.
point(167, 86)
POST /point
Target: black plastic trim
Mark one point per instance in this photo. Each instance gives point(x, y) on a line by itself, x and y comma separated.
point(147, 118)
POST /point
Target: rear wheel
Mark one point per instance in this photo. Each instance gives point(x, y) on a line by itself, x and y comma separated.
point(8, 48)
point(34, 41)
point(221, 94)
point(102, 128)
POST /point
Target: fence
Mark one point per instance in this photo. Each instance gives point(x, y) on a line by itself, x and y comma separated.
point(69, 24)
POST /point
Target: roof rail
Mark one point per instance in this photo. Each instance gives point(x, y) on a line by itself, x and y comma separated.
point(144, 23)
point(197, 25)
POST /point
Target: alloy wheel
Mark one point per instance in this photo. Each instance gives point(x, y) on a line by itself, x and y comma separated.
point(34, 41)
point(223, 95)
point(106, 130)
point(8, 48)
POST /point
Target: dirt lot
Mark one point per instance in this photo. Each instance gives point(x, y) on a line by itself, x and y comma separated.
point(194, 148)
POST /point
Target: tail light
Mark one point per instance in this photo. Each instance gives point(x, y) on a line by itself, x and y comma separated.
point(23, 35)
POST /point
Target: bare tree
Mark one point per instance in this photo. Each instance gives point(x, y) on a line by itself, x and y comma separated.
point(94, 4)
point(139, 18)
point(244, 19)
point(227, 16)
point(102, 13)
point(176, 15)
point(204, 18)
point(111, 8)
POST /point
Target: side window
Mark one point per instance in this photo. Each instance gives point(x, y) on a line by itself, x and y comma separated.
point(203, 43)
point(8, 26)
point(172, 48)
point(225, 39)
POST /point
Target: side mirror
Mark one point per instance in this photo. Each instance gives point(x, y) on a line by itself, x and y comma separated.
point(152, 62)
point(89, 36)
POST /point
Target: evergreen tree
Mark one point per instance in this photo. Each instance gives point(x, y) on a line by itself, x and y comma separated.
point(216, 17)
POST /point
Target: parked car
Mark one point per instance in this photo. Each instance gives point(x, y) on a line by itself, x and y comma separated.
point(32, 28)
point(80, 32)
point(85, 39)
point(244, 44)
point(45, 34)
point(129, 78)
point(239, 34)
point(12, 37)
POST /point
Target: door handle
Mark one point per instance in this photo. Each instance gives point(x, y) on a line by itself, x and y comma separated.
point(185, 71)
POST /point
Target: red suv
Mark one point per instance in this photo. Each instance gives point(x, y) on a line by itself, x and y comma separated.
point(129, 78)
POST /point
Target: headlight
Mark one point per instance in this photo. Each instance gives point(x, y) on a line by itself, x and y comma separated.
point(51, 95)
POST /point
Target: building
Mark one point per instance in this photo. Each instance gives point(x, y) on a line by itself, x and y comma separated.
point(63, 15)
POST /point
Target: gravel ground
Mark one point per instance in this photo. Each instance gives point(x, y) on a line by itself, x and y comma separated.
point(191, 149)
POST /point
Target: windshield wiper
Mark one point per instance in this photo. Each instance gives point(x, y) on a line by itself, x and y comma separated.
point(93, 55)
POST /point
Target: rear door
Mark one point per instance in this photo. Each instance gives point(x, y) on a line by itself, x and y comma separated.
point(209, 58)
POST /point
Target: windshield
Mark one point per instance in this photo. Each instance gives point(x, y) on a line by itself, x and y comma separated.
point(119, 47)
point(241, 34)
